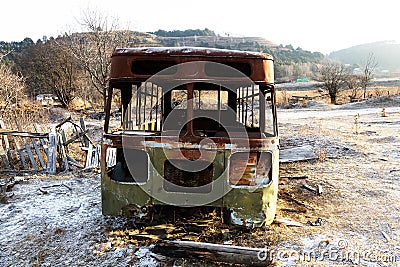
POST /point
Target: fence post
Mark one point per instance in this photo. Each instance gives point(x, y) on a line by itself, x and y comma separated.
point(52, 153)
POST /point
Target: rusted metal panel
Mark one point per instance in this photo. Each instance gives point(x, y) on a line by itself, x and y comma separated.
point(123, 59)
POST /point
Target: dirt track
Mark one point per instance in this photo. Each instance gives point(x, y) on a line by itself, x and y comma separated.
point(57, 221)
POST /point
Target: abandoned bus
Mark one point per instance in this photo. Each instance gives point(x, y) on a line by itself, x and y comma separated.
point(198, 128)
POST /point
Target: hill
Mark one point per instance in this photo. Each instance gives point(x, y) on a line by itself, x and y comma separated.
point(386, 53)
point(290, 63)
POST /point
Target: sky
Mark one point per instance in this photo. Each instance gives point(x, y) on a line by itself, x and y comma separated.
point(313, 25)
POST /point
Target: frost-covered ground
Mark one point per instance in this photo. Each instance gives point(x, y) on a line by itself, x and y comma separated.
point(57, 221)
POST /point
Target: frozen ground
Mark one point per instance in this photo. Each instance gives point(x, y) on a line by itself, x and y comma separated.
point(57, 221)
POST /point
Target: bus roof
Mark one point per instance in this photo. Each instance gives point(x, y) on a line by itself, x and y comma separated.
point(190, 51)
point(139, 64)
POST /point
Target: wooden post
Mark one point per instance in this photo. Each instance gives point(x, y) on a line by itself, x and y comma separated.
point(85, 141)
point(52, 153)
point(3, 154)
point(7, 146)
point(62, 150)
point(95, 161)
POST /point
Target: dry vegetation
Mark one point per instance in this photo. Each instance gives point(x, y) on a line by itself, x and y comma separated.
point(284, 96)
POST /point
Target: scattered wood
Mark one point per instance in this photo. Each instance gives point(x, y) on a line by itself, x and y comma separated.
point(288, 196)
point(298, 210)
point(294, 177)
point(287, 222)
point(43, 191)
point(386, 236)
point(317, 190)
point(317, 222)
point(295, 154)
point(57, 185)
point(212, 252)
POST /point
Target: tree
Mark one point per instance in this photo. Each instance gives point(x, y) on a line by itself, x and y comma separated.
point(366, 77)
point(94, 47)
point(51, 68)
point(333, 76)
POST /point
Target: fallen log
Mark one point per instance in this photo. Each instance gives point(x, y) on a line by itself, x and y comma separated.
point(212, 252)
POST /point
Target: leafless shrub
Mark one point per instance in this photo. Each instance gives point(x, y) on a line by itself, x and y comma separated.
point(380, 92)
point(368, 72)
point(11, 87)
point(282, 98)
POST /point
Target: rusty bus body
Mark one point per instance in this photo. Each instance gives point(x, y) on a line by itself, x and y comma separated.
point(198, 128)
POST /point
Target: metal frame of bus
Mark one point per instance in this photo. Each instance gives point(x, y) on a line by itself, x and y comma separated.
point(252, 197)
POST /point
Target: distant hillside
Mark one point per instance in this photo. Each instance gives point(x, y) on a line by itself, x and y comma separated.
point(386, 53)
point(290, 63)
point(208, 38)
point(237, 43)
point(179, 33)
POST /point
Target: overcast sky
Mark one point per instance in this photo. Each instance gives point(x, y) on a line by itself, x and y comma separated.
point(323, 26)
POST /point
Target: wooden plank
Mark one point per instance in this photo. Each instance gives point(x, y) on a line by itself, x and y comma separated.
point(85, 141)
point(21, 153)
point(27, 147)
point(73, 162)
point(3, 154)
point(38, 153)
point(213, 252)
point(22, 133)
point(294, 154)
point(62, 153)
point(95, 161)
point(81, 135)
point(89, 154)
point(7, 146)
point(30, 154)
point(111, 157)
point(42, 140)
point(63, 122)
point(63, 141)
point(52, 153)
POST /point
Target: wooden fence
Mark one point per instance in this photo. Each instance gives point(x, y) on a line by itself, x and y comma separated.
point(22, 151)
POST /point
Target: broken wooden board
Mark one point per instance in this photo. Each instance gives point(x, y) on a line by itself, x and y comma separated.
point(212, 252)
point(294, 154)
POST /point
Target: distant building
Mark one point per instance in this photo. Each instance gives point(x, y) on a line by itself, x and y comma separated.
point(357, 71)
point(302, 80)
point(46, 99)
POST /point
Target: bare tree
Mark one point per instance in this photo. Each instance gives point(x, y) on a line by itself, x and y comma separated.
point(94, 47)
point(11, 86)
point(353, 84)
point(333, 76)
point(366, 77)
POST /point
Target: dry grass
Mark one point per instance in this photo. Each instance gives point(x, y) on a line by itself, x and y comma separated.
point(284, 96)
